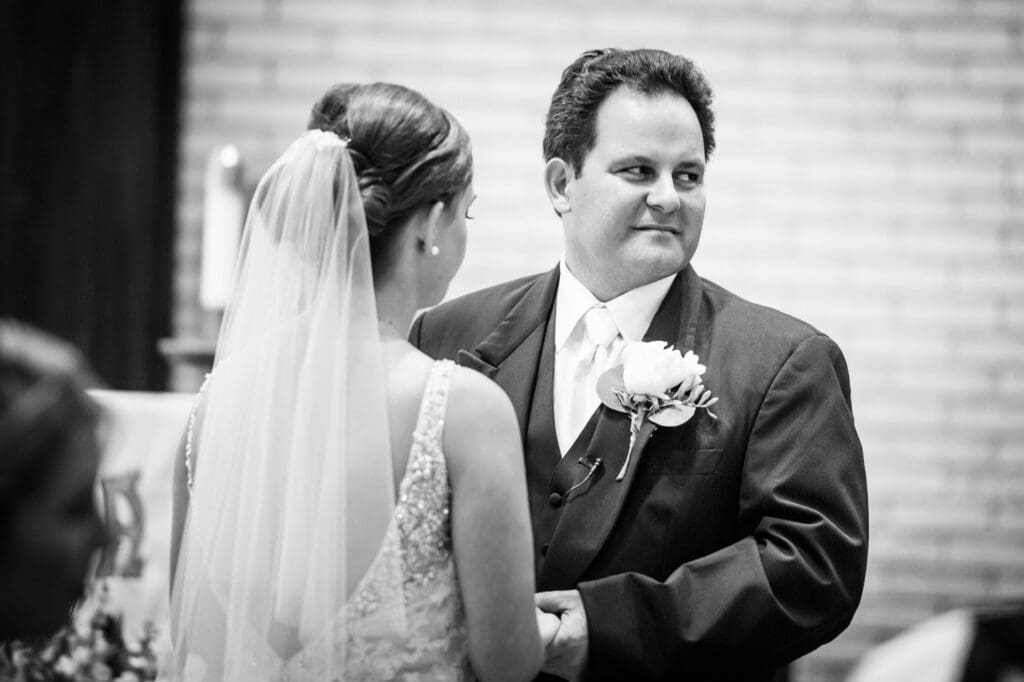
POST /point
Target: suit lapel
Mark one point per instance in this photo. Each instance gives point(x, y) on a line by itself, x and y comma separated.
point(681, 329)
point(509, 354)
point(590, 512)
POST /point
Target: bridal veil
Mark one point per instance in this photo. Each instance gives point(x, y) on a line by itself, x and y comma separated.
point(292, 484)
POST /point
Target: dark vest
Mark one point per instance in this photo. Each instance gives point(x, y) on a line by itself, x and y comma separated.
point(549, 476)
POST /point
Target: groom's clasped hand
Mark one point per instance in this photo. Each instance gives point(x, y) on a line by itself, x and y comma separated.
point(563, 632)
point(547, 624)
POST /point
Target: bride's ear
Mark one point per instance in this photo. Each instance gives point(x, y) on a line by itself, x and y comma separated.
point(430, 227)
point(558, 177)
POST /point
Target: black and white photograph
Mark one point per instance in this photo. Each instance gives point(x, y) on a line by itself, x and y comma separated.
point(484, 340)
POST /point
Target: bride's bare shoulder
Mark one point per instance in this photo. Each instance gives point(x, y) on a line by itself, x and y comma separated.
point(474, 395)
point(407, 371)
point(480, 418)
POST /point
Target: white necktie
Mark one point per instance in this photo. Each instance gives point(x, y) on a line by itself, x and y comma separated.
point(595, 354)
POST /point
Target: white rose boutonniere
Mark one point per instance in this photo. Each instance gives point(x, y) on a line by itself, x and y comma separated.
point(657, 386)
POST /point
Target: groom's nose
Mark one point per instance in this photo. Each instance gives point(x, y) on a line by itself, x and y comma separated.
point(663, 195)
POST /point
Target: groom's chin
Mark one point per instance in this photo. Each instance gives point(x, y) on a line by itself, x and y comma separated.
point(653, 264)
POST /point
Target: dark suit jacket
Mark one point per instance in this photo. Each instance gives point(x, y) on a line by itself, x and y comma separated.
point(733, 545)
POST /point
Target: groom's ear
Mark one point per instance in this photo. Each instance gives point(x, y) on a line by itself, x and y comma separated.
point(558, 178)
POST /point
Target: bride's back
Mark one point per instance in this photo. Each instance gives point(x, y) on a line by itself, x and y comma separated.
point(407, 372)
point(459, 530)
point(461, 429)
point(414, 165)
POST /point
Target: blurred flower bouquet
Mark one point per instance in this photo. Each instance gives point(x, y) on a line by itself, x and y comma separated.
point(92, 647)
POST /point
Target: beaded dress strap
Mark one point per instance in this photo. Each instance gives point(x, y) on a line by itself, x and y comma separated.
point(189, 433)
point(430, 424)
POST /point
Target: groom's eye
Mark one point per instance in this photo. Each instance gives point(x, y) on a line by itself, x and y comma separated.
point(636, 171)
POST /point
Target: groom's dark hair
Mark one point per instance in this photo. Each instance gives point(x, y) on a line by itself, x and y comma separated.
point(570, 131)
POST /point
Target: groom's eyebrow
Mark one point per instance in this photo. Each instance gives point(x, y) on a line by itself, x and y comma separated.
point(644, 160)
point(634, 159)
point(696, 163)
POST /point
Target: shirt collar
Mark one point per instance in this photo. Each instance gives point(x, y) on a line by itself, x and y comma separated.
point(632, 311)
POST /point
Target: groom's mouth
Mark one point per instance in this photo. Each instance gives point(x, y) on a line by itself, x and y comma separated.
point(654, 227)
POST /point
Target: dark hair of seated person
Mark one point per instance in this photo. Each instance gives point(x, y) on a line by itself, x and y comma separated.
point(49, 456)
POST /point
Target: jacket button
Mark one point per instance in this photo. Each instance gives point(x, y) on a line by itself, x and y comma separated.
point(555, 500)
point(544, 548)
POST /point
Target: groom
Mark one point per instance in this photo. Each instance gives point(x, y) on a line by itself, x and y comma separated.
point(731, 545)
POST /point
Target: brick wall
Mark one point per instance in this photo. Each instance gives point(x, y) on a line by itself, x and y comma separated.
point(869, 178)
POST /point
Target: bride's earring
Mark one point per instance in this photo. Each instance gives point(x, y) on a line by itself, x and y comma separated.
point(433, 251)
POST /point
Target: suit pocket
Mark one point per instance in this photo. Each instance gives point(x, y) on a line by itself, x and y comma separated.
point(680, 462)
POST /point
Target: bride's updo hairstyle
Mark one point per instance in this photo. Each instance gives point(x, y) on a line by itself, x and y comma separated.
point(408, 154)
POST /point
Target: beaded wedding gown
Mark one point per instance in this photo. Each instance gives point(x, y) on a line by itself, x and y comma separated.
point(434, 644)
point(298, 558)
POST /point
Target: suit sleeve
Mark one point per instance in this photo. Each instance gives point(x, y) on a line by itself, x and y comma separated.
point(791, 582)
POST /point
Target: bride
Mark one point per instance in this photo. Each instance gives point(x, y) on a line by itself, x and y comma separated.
point(345, 507)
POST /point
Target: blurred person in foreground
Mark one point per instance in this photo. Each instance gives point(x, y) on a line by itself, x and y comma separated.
point(346, 507)
point(676, 536)
point(49, 458)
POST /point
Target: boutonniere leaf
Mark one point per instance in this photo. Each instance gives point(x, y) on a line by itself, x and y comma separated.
point(655, 385)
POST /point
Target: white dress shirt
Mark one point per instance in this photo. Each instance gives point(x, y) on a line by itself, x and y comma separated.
point(632, 313)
